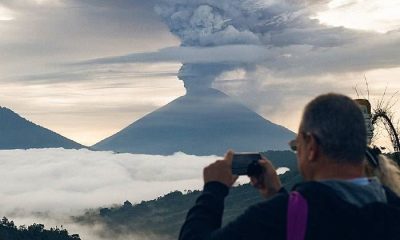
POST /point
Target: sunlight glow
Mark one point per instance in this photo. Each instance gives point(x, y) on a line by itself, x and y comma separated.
point(6, 14)
point(49, 2)
point(369, 15)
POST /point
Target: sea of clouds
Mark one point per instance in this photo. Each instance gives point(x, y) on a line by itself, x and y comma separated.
point(50, 185)
point(67, 181)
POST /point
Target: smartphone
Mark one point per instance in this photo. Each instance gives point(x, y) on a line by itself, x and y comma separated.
point(246, 164)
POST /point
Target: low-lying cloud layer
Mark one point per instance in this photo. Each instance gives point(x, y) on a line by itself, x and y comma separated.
point(67, 181)
point(49, 185)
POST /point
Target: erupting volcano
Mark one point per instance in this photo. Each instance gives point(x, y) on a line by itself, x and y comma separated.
point(205, 121)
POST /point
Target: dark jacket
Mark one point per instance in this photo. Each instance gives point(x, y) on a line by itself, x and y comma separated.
point(337, 210)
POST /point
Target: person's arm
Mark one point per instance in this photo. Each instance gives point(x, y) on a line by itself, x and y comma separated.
point(263, 221)
point(205, 218)
point(206, 215)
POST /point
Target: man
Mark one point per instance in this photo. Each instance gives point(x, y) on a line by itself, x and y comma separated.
point(341, 202)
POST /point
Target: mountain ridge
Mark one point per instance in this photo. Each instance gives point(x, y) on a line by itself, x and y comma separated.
point(16, 132)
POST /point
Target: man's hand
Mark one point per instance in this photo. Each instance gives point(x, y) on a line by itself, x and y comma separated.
point(220, 171)
point(267, 183)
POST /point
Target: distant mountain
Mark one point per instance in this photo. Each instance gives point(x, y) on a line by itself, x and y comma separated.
point(204, 123)
point(18, 133)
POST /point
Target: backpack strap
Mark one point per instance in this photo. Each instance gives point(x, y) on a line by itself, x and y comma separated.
point(296, 217)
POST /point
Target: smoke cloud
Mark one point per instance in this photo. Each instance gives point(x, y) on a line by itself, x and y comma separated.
point(206, 23)
point(292, 41)
point(215, 23)
point(278, 37)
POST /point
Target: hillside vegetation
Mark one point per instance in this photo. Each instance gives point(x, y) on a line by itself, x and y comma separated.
point(9, 231)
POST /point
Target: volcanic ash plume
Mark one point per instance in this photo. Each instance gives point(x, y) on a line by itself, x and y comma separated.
point(206, 121)
point(197, 78)
point(205, 23)
point(211, 23)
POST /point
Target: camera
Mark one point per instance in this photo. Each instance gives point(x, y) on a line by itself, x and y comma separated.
point(246, 164)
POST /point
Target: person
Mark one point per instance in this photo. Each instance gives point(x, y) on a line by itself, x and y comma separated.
point(337, 200)
point(384, 168)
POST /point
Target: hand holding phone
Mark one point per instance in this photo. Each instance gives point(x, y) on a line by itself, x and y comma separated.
point(220, 171)
point(260, 170)
point(268, 183)
point(246, 164)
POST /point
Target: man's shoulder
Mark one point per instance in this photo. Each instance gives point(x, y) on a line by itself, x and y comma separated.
point(277, 202)
point(275, 207)
point(327, 207)
point(392, 197)
point(267, 218)
point(319, 191)
point(313, 188)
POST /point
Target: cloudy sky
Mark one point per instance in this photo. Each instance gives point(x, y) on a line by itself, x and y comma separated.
point(87, 68)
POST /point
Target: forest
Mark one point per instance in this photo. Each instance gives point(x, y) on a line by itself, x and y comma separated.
point(9, 231)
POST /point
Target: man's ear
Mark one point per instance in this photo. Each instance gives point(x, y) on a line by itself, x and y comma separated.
point(312, 148)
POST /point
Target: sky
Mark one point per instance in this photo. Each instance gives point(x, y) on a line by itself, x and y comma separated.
point(88, 68)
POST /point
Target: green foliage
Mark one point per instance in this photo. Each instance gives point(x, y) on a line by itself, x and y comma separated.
point(9, 231)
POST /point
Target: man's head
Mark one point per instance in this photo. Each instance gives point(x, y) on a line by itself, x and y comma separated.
point(332, 132)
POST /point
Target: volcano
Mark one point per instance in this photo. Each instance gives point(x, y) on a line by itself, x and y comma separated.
point(199, 123)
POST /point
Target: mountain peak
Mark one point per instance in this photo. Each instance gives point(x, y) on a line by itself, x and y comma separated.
point(17, 132)
point(206, 123)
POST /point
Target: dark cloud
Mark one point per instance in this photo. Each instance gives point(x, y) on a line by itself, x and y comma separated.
point(219, 54)
point(377, 51)
point(106, 77)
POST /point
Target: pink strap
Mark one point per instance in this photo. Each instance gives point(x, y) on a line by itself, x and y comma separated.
point(296, 217)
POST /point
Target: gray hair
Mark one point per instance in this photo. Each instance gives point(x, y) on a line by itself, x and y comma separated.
point(337, 123)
